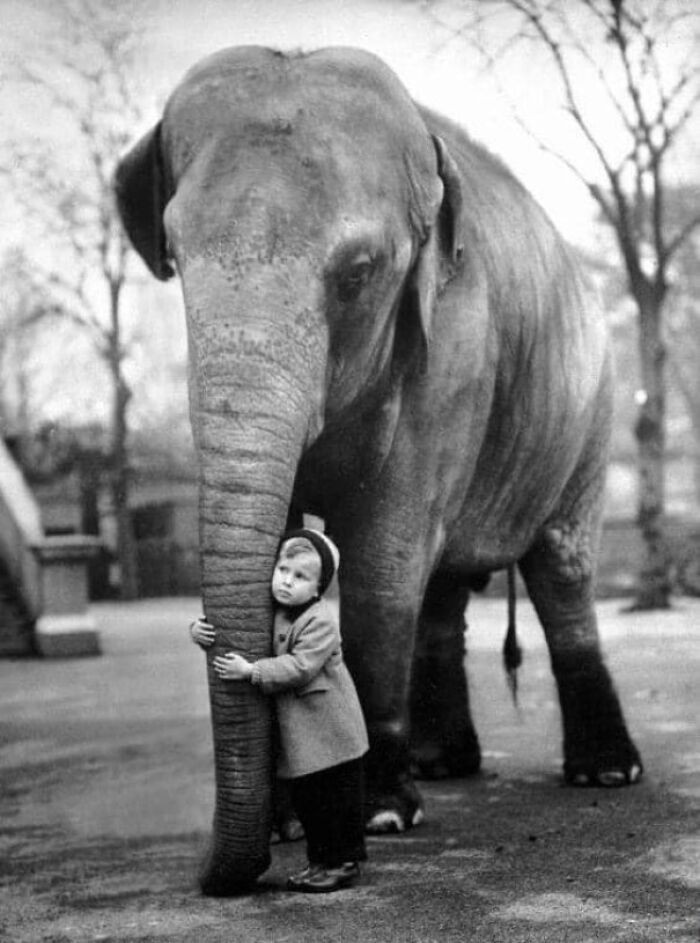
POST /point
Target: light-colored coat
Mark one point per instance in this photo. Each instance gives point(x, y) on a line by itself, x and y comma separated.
point(319, 715)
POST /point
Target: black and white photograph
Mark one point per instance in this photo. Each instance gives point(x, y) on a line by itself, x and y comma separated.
point(350, 471)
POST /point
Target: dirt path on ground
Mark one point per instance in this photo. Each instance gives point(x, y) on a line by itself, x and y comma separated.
point(106, 801)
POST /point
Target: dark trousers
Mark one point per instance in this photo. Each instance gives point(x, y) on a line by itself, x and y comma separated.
point(330, 806)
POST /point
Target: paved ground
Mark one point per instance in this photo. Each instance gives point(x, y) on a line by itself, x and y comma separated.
point(106, 801)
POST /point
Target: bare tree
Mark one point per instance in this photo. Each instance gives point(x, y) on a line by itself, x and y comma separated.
point(683, 325)
point(23, 309)
point(628, 77)
point(84, 68)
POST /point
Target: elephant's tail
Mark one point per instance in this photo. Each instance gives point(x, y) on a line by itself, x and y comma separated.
point(512, 653)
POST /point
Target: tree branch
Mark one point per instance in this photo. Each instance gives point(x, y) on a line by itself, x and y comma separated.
point(535, 18)
point(677, 241)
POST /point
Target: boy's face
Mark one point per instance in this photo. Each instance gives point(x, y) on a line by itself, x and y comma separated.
point(295, 579)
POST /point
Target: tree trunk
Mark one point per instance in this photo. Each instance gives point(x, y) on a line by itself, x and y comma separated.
point(90, 464)
point(693, 407)
point(121, 475)
point(654, 587)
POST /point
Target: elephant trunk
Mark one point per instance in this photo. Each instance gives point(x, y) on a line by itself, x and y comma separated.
point(238, 543)
point(253, 410)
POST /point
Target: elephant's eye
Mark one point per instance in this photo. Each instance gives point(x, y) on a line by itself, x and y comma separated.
point(354, 277)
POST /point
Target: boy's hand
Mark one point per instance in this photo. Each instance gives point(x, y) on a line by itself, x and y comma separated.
point(230, 667)
point(202, 633)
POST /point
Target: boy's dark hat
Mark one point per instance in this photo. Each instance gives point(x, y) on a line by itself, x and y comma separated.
point(326, 549)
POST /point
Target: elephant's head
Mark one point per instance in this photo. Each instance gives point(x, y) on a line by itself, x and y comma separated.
point(310, 215)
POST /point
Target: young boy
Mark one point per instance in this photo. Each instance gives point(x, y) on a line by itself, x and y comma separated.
point(322, 731)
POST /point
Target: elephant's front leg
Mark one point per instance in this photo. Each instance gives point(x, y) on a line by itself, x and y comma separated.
point(598, 749)
point(378, 622)
point(443, 739)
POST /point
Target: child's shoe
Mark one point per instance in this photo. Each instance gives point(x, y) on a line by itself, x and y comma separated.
point(295, 882)
point(324, 880)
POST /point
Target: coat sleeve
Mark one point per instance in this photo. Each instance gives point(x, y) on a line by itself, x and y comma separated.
point(314, 644)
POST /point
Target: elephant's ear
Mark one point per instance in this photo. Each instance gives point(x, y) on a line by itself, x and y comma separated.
point(438, 255)
point(141, 199)
point(452, 209)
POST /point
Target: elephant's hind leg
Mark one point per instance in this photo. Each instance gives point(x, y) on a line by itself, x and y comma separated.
point(558, 572)
point(443, 740)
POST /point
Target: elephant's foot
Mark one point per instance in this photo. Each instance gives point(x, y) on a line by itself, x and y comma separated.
point(606, 769)
point(289, 830)
point(394, 811)
point(391, 821)
point(286, 826)
point(598, 750)
point(452, 761)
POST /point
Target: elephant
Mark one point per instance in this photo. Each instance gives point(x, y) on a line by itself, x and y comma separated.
point(386, 331)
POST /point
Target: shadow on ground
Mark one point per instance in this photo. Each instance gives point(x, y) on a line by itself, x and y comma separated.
point(107, 789)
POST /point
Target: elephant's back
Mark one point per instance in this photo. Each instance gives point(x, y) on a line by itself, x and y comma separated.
point(552, 383)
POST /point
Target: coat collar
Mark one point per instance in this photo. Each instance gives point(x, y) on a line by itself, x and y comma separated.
point(293, 612)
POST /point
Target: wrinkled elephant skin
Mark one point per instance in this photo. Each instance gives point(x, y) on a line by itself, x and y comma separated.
point(384, 330)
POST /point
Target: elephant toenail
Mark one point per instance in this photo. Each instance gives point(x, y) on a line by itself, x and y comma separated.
point(384, 822)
